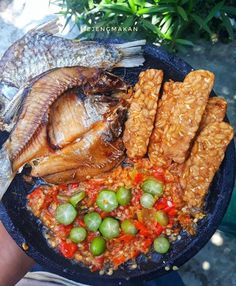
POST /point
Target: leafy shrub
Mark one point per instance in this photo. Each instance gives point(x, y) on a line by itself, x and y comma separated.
point(173, 23)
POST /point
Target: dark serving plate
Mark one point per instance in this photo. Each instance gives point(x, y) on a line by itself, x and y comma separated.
point(24, 227)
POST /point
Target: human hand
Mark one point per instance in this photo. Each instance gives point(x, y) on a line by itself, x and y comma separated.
point(14, 263)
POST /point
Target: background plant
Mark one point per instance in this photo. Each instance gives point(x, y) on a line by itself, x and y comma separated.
point(173, 23)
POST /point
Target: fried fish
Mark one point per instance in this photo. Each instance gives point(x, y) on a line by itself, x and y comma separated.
point(40, 50)
point(31, 136)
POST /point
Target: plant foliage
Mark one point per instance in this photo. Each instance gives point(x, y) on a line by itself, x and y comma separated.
point(174, 23)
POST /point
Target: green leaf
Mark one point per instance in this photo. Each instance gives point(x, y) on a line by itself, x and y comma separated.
point(161, 9)
point(128, 22)
point(201, 23)
point(132, 5)
point(165, 1)
point(155, 20)
point(227, 25)
point(182, 13)
point(151, 27)
point(67, 21)
point(214, 11)
point(183, 2)
point(166, 26)
point(123, 9)
point(229, 9)
point(140, 2)
point(184, 42)
point(164, 19)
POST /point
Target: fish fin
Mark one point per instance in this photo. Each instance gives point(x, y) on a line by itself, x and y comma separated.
point(13, 109)
point(52, 26)
point(6, 173)
point(131, 53)
point(131, 62)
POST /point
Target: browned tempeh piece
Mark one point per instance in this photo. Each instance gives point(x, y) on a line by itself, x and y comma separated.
point(192, 96)
point(215, 111)
point(164, 109)
point(206, 156)
point(141, 116)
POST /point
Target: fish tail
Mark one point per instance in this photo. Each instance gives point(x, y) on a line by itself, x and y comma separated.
point(52, 26)
point(132, 53)
point(6, 173)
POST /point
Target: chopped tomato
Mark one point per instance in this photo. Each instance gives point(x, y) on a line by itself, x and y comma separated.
point(63, 187)
point(159, 174)
point(95, 184)
point(171, 222)
point(138, 178)
point(36, 199)
point(63, 230)
point(104, 214)
point(147, 243)
point(35, 193)
point(50, 197)
point(172, 211)
point(161, 204)
point(118, 260)
point(136, 198)
point(68, 249)
point(126, 237)
point(74, 185)
point(158, 229)
point(80, 222)
point(91, 236)
point(141, 227)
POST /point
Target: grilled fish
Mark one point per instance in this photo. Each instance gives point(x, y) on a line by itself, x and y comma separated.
point(73, 114)
point(40, 50)
point(99, 150)
point(29, 137)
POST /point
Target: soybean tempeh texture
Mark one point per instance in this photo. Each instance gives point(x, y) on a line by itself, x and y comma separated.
point(164, 110)
point(215, 111)
point(142, 112)
point(178, 117)
point(206, 156)
point(192, 96)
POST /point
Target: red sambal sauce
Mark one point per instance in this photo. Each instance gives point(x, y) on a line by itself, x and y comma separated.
point(108, 220)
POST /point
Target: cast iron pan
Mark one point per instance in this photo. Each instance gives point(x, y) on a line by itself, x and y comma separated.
point(24, 227)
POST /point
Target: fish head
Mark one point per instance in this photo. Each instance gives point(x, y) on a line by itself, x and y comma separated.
point(116, 121)
point(106, 83)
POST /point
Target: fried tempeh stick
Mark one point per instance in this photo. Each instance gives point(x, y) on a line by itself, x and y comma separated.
point(186, 115)
point(142, 112)
point(164, 109)
point(179, 117)
point(206, 156)
point(215, 111)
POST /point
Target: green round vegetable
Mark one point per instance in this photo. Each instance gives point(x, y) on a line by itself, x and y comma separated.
point(65, 214)
point(110, 228)
point(161, 217)
point(147, 201)
point(153, 187)
point(74, 200)
point(98, 246)
point(107, 201)
point(128, 227)
point(161, 244)
point(78, 234)
point(92, 221)
point(123, 196)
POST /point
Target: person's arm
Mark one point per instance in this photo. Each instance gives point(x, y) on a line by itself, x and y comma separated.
point(14, 263)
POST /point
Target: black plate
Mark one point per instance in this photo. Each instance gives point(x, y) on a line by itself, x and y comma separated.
point(23, 226)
